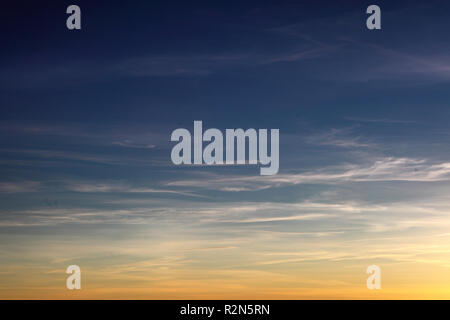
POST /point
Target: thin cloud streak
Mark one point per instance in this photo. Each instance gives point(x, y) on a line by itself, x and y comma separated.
point(383, 169)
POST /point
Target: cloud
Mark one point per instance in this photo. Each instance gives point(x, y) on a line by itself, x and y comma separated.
point(180, 212)
point(165, 65)
point(19, 186)
point(131, 144)
point(383, 63)
point(337, 138)
point(276, 219)
point(382, 169)
point(205, 64)
point(95, 187)
point(105, 135)
point(177, 212)
point(381, 120)
point(69, 158)
point(405, 63)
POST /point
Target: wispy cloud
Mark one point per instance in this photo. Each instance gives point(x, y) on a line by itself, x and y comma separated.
point(70, 157)
point(95, 187)
point(131, 144)
point(382, 169)
point(19, 186)
point(406, 63)
point(338, 138)
point(166, 65)
point(107, 135)
point(381, 120)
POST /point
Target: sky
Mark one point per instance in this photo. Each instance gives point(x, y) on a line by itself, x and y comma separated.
point(86, 176)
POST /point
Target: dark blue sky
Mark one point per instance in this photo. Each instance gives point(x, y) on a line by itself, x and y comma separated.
point(137, 71)
point(260, 63)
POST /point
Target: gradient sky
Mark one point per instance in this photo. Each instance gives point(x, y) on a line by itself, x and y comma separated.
point(86, 176)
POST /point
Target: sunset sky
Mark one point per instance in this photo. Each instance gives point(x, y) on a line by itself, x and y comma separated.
point(86, 176)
